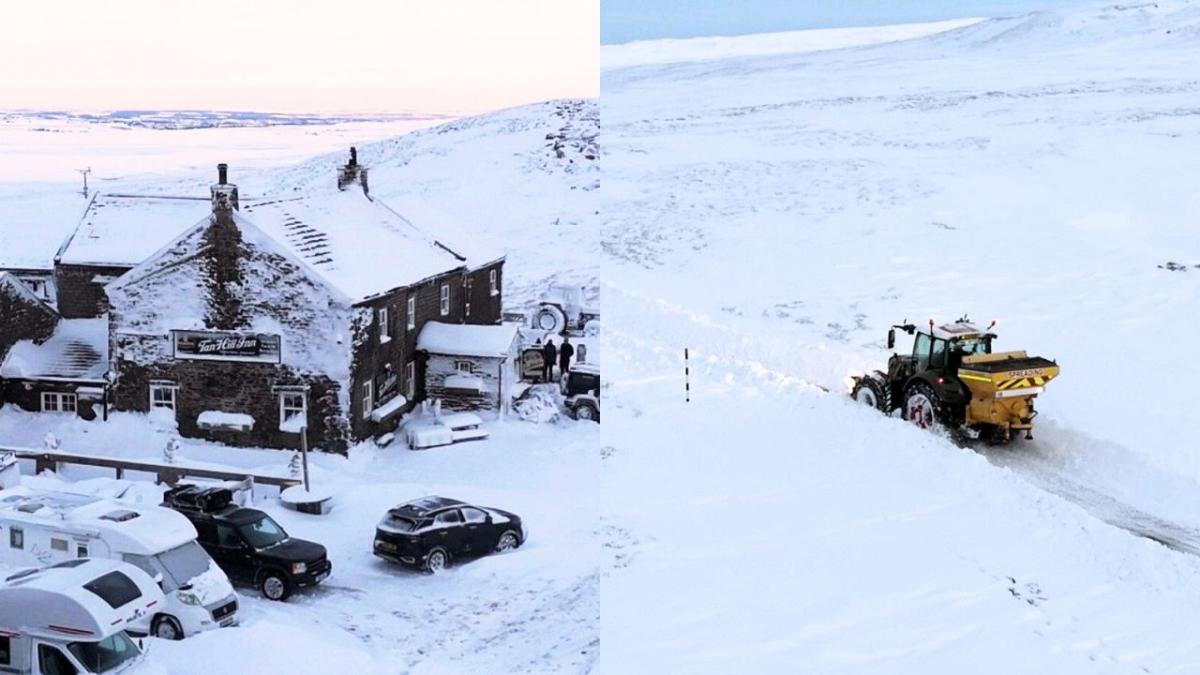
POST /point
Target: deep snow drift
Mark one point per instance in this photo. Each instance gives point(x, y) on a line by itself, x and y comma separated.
point(775, 214)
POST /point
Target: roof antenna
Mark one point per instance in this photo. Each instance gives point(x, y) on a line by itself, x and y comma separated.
point(85, 173)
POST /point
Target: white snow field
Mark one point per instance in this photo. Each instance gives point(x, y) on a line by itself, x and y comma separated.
point(521, 180)
point(775, 214)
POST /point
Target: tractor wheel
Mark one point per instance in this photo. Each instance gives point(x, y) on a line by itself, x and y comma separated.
point(550, 318)
point(922, 406)
point(871, 391)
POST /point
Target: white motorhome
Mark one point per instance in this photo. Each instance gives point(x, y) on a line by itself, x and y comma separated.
point(40, 528)
point(71, 618)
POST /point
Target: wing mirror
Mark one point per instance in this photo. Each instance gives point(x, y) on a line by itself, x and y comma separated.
point(891, 338)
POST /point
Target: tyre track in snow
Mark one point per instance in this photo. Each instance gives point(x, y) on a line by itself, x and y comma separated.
point(1040, 465)
point(1059, 466)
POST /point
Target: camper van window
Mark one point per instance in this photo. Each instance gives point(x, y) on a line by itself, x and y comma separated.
point(16, 537)
point(53, 662)
point(5, 651)
point(101, 657)
point(114, 588)
point(81, 551)
point(263, 533)
point(58, 544)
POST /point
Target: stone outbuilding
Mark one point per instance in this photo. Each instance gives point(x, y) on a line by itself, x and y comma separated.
point(470, 367)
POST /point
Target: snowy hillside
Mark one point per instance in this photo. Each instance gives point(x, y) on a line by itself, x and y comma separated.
point(775, 214)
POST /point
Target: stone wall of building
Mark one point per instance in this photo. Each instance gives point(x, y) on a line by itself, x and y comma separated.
point(80, 289)
point(237, 387)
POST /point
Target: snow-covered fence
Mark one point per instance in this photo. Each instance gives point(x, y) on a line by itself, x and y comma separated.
point(168, 473)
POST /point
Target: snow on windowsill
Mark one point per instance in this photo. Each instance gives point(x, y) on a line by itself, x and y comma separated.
point(388, 409)
point(217, 419)
point(294, 424)
point(384, 339)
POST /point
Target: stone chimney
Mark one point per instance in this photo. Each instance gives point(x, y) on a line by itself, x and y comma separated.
point(352, 172)
point(224, 194)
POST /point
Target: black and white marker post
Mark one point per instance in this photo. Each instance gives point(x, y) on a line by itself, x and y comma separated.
point(687, 378)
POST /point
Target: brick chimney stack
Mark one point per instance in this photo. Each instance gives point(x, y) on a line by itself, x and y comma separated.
point(224, 194)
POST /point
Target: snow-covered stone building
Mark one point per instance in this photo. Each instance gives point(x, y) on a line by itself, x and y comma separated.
point(470, 367)
point(247, 319)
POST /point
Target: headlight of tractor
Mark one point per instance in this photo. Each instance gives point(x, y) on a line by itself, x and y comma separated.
point(188, 598)
point(299, 568)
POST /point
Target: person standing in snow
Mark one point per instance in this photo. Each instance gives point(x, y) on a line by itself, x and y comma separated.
point(548, 354)
point(564, 355)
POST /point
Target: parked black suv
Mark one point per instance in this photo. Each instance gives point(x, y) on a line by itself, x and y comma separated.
point(429, 532)
point(247, 544)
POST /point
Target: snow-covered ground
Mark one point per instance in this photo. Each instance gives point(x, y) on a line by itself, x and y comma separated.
point(534, 610)
point(775, 214)
point(522, 180)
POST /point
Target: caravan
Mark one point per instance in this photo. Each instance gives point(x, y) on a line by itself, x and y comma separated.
point(71, 618)
point(40, 528)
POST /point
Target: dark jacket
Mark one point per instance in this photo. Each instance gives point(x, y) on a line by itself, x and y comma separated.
point(565, 354)
point(549, 352)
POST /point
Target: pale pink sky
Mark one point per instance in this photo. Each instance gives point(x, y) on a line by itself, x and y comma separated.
point(298, 55)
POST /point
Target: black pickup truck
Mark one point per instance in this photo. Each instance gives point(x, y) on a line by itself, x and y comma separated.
point(247, 544)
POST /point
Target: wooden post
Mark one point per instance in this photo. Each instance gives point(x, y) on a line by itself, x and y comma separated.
point(687, 377)
point(304, 453)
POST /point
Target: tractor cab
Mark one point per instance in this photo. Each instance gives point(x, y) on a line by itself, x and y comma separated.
point(938, 350)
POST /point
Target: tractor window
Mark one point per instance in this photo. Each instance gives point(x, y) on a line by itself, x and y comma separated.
point(921, 351)
point(974, 346)
point(938, 358)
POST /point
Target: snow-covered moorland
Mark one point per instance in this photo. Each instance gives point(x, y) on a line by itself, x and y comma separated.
point(520, 180)
point(774, 214)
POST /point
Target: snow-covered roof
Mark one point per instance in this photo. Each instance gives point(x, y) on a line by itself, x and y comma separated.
point(53, 600)
point(359, 246)
point(139, 530)
point(123, 230)
point(467, 340)
point(958, 329)
point(77, 350)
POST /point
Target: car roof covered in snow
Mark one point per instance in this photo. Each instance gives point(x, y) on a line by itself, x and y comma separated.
point(77, 350)
point(54, 601)
point(426, 505)
point(139, 530)
point(467, 339)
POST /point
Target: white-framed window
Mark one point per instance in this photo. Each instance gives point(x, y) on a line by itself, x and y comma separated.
point(412, 312)
point(493, 282)
point(54, 401)
point(385, 327)
point(468, 309)
point(16, 537)
point(410, 380)
point(466, 367)
point(162, 395)
point(445, 299)
point(368, 391)
point(293, 404)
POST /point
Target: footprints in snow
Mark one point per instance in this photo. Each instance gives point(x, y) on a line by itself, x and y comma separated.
point(1029, 592)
